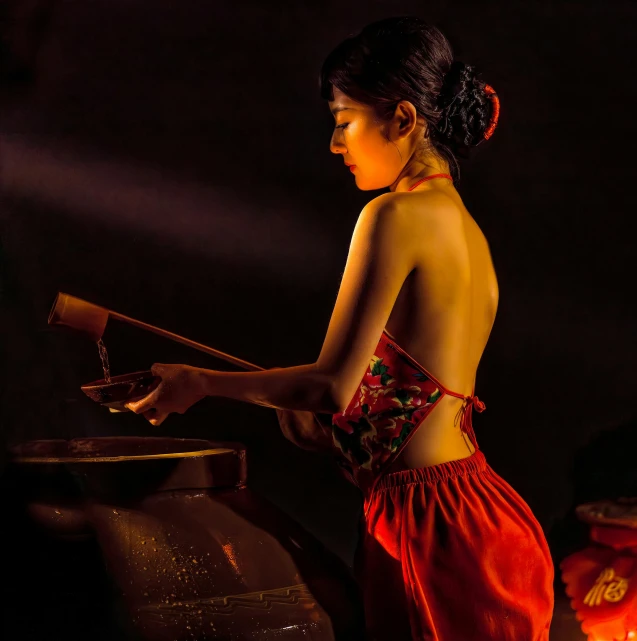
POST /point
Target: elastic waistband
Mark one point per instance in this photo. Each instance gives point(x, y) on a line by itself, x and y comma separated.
point(474, 464)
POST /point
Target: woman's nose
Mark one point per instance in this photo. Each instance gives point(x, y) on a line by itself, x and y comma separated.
point(336, 146)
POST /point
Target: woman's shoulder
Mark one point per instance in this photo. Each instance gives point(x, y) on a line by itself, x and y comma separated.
point(435, 209)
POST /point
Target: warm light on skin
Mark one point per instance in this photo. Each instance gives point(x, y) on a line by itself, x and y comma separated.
point(386, 154)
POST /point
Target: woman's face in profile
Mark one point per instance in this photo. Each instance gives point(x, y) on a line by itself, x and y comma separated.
point(358, 137)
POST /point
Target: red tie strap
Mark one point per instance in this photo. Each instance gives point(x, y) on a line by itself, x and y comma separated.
point(465, 415)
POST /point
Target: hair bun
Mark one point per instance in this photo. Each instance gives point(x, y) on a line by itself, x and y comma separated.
point(466, 108)
point(458, 80)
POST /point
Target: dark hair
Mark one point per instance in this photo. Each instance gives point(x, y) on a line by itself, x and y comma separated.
point(405, 58)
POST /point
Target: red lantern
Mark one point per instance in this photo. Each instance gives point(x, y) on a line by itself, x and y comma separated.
point(601, 580)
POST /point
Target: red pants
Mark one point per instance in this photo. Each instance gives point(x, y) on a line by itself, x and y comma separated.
point(453, 553)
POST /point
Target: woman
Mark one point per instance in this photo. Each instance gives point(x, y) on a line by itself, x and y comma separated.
point(448, 550)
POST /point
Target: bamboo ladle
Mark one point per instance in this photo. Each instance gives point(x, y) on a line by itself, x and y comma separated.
point(90, 319)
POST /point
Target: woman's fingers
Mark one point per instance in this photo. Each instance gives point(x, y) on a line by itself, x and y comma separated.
point(154, 417)
point(144, 404)
point(158, 369)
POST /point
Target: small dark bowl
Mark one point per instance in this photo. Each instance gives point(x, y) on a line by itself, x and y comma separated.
point(121, 390)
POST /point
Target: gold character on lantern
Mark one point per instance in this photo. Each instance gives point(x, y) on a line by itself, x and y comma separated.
point(608, 587)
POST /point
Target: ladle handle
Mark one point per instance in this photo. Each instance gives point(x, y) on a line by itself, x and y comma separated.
point(186, 341)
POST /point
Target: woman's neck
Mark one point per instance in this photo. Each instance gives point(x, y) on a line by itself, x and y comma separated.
point(417, 168)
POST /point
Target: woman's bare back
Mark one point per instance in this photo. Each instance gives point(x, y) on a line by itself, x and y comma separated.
point(443, 316)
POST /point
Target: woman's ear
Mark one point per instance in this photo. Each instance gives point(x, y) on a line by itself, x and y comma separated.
point(405, 118)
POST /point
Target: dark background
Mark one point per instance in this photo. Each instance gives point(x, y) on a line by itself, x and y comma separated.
point(170, 161)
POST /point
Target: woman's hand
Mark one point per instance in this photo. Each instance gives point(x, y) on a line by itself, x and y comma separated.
point(178, 391)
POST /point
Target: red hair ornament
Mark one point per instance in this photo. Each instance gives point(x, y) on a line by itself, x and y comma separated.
point(495, 111)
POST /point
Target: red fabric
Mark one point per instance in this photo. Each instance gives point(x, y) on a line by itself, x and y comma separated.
point(394, 397)
point(449, 552)
point(456, 548)
point(601, 581)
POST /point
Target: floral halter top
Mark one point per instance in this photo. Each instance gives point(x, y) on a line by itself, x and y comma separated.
point(393, 399)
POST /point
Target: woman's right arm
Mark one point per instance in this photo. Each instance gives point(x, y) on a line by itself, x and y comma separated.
point(305, 430)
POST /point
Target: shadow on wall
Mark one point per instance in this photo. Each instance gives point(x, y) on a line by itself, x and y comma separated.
point(23, 26)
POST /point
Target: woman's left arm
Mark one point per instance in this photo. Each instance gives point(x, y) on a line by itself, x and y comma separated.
point(381, 256)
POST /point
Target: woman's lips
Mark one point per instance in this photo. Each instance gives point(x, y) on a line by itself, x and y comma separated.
point(352, 167)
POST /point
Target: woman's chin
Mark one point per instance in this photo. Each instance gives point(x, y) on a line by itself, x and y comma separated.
point(361, 183)
point(365, 185)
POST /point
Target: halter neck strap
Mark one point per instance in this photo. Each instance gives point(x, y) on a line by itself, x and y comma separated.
point(426, 178)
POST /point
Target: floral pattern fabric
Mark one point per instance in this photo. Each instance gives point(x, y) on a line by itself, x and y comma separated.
point(393, 398)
